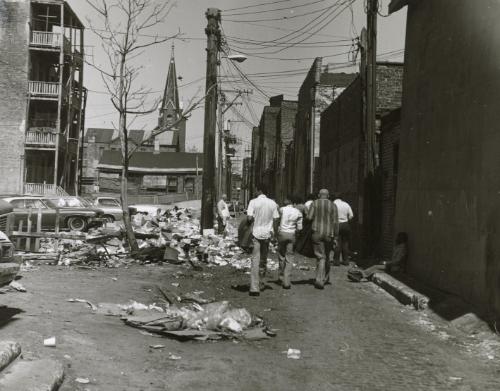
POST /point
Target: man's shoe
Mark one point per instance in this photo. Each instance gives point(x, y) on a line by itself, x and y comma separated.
point(319, 286)
point(254, 293)
point(287, 286)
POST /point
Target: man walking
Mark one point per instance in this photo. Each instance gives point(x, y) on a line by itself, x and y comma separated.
point(325, 226)
point(222, 214)
point(290, 223)
point(345, 216)
point(263, 212)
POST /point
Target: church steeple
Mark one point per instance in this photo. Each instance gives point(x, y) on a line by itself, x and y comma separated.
point(171, 113)
point(170, 108)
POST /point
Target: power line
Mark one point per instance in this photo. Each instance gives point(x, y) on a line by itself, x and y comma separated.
point(257, 5)
point(274, 9)
point(280, 18)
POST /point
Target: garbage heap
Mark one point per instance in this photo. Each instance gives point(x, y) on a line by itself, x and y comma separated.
point(173, 237)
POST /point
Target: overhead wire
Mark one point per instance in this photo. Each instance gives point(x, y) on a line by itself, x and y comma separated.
point(282, 18)
point(273, 10)
point(257, 5)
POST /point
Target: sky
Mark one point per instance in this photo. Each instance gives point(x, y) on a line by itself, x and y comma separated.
point(276, 36)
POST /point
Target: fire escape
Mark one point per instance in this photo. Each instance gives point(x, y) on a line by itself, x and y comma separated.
point(55, 99)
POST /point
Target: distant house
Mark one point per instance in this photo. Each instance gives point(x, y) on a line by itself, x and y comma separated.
point(101, 145)
point(160, 173)
point(99, 140)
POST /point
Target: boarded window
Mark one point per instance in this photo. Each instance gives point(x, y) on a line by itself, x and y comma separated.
point(172, 185)
point(154, 181)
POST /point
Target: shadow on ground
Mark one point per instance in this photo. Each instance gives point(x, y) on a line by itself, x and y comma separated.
point(7, 315)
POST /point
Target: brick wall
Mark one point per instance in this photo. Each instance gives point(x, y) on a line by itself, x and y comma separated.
point(389, 163)
point(285, 134)
point(343, 157)
point(389, 86)
point(14, 17)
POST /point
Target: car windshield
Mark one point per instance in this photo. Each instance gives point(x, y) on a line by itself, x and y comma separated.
point(67, 202)
point(108, 202)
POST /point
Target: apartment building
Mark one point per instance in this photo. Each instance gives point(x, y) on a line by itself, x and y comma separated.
point(42, 95)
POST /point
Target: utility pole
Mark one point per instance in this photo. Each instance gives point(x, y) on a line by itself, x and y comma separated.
point(208, 196)
point(220, 168)
point(371, 82)
point(224, 106)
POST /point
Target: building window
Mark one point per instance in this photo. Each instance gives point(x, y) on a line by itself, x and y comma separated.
point(189, 185)
point(172, 185)
point(154, 182)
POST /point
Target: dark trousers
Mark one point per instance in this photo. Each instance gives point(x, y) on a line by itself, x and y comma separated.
point(322, 245)
point(259, 263)
point(343, 243)
point(286, 241)
point(221, 225)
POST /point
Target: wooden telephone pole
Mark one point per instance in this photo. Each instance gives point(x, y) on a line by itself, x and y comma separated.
point(371, 83)
point(209, 174)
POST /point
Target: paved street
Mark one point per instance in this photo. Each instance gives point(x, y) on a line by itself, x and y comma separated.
point(352, 336)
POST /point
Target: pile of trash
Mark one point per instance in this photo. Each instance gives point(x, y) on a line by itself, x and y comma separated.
point(214, 320)
point(173, 237)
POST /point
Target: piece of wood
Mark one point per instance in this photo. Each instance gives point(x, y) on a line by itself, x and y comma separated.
point(38, 229)
point(28, 228)
point(20, 228)
point(53, 235)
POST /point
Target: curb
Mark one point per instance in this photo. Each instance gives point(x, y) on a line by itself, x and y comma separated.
point(400, 291)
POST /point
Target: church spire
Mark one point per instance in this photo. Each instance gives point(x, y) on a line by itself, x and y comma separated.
point(170, 104)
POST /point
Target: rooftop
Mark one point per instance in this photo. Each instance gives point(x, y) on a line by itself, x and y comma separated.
point(147, 162)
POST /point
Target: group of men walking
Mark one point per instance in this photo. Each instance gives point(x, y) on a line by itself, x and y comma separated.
point(329, 222)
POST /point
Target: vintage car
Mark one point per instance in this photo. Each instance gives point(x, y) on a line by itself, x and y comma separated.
point(8, 265)
point(74, 213)
point(111, 207)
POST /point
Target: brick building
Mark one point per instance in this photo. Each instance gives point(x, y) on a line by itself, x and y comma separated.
point(319, 89)
point(343, 152)
point(42, 94)
point(271, 138)
point(449, 172)
point(390, 131)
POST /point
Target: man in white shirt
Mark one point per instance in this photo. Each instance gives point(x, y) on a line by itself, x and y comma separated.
point(345, 216)
point(222, 214)
point(263, 212)
point(290, 223)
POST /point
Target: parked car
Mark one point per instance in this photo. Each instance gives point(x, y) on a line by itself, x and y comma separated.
point(9, 267)
point(111, 207)
point(75, 213)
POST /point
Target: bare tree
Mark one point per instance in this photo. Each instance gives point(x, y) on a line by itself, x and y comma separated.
point(125, 31)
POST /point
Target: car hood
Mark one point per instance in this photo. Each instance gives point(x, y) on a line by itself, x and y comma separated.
point(4, 237)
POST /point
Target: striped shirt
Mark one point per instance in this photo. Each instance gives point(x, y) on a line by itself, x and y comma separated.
point(324, 216)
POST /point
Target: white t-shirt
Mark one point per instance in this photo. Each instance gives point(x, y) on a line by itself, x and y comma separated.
point(223, 210)
point(264, 211)
point(291, 219)
point(344, 211)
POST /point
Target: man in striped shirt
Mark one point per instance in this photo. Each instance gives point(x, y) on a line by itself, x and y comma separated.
point(325, 228)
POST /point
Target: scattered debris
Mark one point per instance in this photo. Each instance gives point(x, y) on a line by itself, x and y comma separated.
point(82, 380)
point(17, 286)
point(157, 346)
point(172, 238)
point(50, 342)
point(293, 354)
point(174, 357)
point(92, 306)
